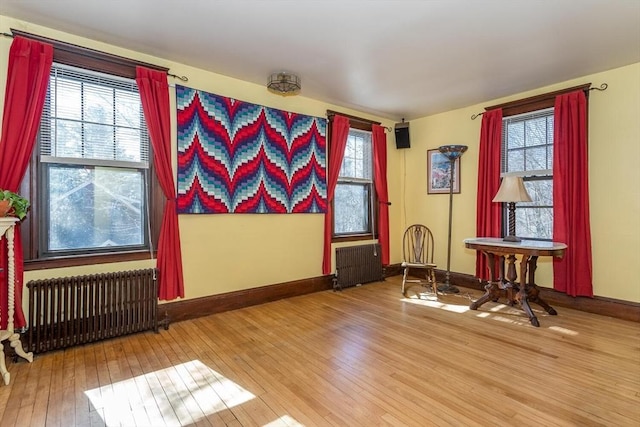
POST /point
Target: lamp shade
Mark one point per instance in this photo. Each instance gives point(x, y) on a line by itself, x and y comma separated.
point(452, 152)
point(512, 190)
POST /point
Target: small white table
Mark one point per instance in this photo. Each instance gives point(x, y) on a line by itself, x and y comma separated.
point(527, 291)
point(7, 225)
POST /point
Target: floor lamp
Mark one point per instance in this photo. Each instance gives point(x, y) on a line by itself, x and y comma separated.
point(451, 152)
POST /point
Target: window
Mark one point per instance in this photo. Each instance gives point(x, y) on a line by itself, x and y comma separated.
point(527, 149)
point(355, 201)
point(354, 190)
point(93, 192)
point(94, 164)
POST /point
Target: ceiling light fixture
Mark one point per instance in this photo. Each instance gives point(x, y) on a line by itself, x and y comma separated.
point(284, 83)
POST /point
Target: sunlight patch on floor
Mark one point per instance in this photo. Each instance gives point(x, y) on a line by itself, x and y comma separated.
point(500, 312)
point(513, 321)
point(437, 304)
point(181, 394)
point(283, 421)
point(498, 307)
point(564, 331)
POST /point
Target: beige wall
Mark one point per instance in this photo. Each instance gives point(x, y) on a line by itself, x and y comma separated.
point(225, 253)
point(614, 156)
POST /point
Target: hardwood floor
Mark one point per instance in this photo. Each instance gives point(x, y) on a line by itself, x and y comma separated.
point(361, 357)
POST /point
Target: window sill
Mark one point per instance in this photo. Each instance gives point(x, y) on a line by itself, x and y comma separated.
point(78, 260)
point(353, 238)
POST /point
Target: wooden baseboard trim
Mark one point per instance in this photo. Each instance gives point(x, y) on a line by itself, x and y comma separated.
point(194, 308)
point(198, 307)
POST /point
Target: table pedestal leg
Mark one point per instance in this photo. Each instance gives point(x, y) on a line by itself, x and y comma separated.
point(522, 293)
point(492, 289)
point(532, 289)
point(511, 279)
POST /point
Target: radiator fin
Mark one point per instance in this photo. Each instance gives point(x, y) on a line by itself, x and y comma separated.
point(68, 311)
point(356, 265)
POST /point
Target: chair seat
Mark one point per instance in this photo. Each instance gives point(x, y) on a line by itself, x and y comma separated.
point(418, 265)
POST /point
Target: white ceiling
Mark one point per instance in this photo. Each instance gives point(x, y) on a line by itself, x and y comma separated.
point(395, 59)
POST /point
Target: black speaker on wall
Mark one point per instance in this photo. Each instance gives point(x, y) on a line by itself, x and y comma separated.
point(402, 135)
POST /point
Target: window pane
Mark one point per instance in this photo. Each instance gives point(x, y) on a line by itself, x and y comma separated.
point(94, 207)
point(541, 192)
point(534, 222)
point(128, 141)
point(66, 98)
point(536, 131)
point(98, 101)
point(128, 111)
point(69, 137)
point(98, 141)
point(351, 208)
point(536, 158)
point(357, 156)
point(515, 160)
point(515, 135)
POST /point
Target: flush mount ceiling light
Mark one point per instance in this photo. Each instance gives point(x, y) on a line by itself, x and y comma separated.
point(284, 83)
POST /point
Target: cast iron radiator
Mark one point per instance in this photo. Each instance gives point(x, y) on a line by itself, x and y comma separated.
point(358, 264)
point(76, 310)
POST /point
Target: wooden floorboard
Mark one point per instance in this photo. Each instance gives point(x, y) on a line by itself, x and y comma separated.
point(366, 356)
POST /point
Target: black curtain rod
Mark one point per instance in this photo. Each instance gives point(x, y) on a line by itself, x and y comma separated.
point(183, 78)
point(602, 88)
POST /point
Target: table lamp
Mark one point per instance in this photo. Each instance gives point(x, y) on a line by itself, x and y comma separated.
point(512, 190)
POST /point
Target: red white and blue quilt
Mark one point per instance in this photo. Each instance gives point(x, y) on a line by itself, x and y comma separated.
point(238, 157)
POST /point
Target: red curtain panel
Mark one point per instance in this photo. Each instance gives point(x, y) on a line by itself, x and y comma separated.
point(337, 144)
point(488, 213)
point(380, 175)
point(571, 225)
point(154, 93)
point(27, 80)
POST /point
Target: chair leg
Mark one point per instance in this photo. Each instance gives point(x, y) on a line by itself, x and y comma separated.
point(404, 278)
point(434, 284)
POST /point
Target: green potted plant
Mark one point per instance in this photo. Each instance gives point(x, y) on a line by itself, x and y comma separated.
point(12, 204)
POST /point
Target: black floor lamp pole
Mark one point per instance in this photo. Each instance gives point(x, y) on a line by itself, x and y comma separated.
point(452, 152)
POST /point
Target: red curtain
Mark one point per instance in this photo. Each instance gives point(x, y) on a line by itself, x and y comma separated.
point(154, 93)
point(573, 273)
point(488, 213)
point(27, 80)
point(339, 134)
point(380, 177)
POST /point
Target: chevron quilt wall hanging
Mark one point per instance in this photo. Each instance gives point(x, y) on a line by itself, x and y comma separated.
point(237, 157)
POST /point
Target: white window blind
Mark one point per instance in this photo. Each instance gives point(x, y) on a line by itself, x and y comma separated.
point(527, 143)
point(93, 118)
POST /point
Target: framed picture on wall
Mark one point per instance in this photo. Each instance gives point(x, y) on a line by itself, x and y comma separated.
point(439, 173)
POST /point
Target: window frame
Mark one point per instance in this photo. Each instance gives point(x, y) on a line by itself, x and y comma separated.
point(93, 60)
point(527, 175)
point(367, 126)
point(530, 105)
